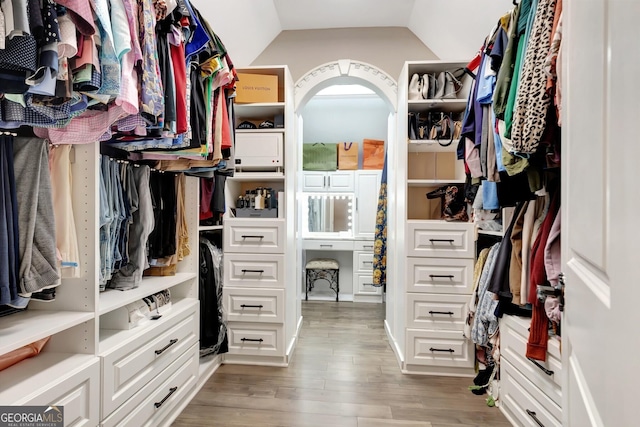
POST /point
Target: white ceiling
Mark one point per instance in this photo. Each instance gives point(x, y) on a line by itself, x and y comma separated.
point(452, 29)
point(314, 14)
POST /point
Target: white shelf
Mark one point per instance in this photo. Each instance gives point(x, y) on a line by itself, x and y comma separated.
point(430, 146)
point(259, 130)
point(17, 382)
point(111, 338)
point(259, 111)
point(257, 176)
point(445, 105)
point(20, 329)
point(210, 227)
point(112, 299)
point(432, 182)
point(490, 233)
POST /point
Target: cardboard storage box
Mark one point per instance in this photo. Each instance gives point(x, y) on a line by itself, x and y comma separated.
point(256, 88)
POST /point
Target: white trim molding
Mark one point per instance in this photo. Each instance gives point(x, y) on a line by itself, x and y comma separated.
point(357, 72)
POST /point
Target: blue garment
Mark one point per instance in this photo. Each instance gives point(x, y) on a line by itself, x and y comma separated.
point(199, 37)
point(490, 196)
point(498, 143)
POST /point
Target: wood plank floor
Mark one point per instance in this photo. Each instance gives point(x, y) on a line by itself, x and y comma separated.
point(343, 373)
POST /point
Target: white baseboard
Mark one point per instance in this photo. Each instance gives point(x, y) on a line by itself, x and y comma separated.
point(294, 341)
point(394, 345)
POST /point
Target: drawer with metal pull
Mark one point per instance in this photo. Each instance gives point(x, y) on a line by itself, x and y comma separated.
point(254, 271)
point(436, 311)
point(439, 348)
point(439, 275)
point(546, 375)
point(254, 235)
point(523, 402)
point(154, 403)
point(254, 305)
point(256, 339)
point(440, 239)
point(365, 285)
point(128, 367)
point(363, 262)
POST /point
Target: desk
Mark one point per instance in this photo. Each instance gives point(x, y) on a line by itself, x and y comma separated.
point(356, 266)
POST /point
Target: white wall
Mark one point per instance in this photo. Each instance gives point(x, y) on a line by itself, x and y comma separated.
point(455, 29)
point(345, 119)
point(385, 47)
point(245, 27)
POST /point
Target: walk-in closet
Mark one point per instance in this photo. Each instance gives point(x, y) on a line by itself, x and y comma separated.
point(312, 213)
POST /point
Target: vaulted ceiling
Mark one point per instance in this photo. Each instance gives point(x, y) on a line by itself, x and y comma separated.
point(450, 28)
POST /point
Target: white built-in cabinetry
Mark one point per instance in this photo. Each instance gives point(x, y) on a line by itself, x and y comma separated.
point(102, 372)
point(435, 257)
point(318, 181)
point(530, 390)
point(260, 298)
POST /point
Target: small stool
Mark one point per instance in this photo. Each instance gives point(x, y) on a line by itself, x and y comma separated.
point(322, 268)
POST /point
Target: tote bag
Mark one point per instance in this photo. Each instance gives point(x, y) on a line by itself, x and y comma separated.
point(373, 154)
point(319, 157)
point(348, 155)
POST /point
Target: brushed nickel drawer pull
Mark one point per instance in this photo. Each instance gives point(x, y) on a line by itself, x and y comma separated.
point(249, 236)
point(542, 368)
point(171, 391)
point(253, 271)
point(441, 276)
point(326, 246)
point(251, 306)
point(535, 418)
point(252, 340)
point(367, 247)
point(450, 313)
point(163, 349)
point(441, 240)
point(449, 350)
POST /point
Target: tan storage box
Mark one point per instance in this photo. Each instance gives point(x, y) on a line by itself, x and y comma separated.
point(256, 88)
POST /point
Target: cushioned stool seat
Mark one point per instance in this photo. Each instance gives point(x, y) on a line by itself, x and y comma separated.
point(322, 268)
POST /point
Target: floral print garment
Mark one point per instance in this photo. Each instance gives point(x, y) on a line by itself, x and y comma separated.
point(380, 245)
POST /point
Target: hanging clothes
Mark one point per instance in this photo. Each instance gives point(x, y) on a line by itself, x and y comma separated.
point(213, 328)
point(380, 244)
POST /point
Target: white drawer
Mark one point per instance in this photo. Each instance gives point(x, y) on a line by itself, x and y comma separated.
point(441, 312)
point(251, 270)
point(524, 402)
point(128, 368)
point(363, 262)
point(254, 305)
point(365, 285)
point(440, 239)
point(440, 275)
point(363, 245)
point(254, 235)
point(328, 245)
point(77, 393)
point(256, 339)
point(547, 375)
point(439, 348)
point(154, 402)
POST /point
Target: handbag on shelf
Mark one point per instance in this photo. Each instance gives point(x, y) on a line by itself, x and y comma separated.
point(372, 154)
point(415, 87)
point(319, 156)
point(454, 207)
point(442, 130)
point(347, 156)
point(413, 126)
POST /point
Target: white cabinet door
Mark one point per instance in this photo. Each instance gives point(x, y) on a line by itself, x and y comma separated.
point(314, 181)
point(367, 189)
point(600, 209)
point(340, 181)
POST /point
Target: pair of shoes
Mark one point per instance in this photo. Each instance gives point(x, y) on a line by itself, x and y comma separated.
point(45, 295)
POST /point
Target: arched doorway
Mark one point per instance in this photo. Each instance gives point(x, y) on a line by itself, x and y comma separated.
point(353, 72)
